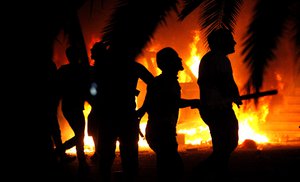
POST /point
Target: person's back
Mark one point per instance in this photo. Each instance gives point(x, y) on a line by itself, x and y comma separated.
point(74, 87)
point(163, 105)
point(117, 80)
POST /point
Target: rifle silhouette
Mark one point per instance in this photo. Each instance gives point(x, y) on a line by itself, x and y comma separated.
point(242, 97)
point(247, 96)
point(258, 94)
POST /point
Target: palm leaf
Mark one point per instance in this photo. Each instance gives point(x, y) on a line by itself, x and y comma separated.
point(219, 13)
point(262, 38)
point(75, 35)
point(295, 16)
point(133, 23)
point(188, 7)
point(213, 13)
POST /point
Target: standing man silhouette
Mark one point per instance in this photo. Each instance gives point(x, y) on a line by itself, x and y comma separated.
point(53, 102)
point(162, 103)
point(117, 78)
point(99, 54)
point(74, 89)
point(218, 91)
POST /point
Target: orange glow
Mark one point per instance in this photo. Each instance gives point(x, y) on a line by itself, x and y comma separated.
point(192, 131)
point(89, 146)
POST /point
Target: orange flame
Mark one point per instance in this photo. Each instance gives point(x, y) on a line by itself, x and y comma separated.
point(194, 131)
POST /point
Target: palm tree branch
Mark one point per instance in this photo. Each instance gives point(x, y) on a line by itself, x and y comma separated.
point(133, 23)
point(188, 7)
point(219, 13)
point(262, 38)
point(295, 17)
point(75, 35)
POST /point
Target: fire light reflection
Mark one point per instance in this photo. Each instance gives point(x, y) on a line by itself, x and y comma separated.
point(193, 132)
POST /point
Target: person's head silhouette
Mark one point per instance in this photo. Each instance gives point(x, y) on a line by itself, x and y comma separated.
point(167, 60)
point(73, 54)
point(98, 50)
point(221, 40)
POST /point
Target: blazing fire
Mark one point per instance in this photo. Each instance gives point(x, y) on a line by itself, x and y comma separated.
point(192, 131)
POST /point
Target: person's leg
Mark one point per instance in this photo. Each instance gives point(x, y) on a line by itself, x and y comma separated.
point(76, 121)
point(93, 131)
point(129, 137)
point(172, 166)
point(224, 134)
point(106, 148)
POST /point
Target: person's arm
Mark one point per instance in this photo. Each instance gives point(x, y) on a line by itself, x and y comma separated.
point(193, 103)
point(143, 109)
point(144, 74)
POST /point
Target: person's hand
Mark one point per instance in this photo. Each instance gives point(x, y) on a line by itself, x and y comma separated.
point(195, 103)
point(238, 102)
point(140, 113)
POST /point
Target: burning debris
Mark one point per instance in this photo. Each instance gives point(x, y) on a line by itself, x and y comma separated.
point(249, 144)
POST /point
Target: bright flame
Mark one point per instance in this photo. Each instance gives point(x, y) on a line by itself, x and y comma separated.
point(194, 131)
point(89, 146)
point(192, 62)
point(249, 120)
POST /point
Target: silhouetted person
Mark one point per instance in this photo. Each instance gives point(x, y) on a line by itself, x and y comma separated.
point(117, 79)
point(162, 103)
point(99, 54)
point(74, 87)
point(53, 102)
point(218, 91)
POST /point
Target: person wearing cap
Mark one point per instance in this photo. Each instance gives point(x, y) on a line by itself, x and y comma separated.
point(162, 103)
point(114, 105)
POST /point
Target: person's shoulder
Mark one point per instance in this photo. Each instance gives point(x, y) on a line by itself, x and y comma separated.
point(207, 56)
point(138, 65)
point(155, 80)
point(213, 58)
point(64, 66)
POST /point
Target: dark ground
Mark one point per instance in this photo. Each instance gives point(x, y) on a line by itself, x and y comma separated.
point(272, 163)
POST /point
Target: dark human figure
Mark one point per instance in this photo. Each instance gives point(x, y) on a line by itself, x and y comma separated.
point(74, 86)
point(218, 91)
point(99, 55)
point(117, 79)
point(162, 103)
point(54, 128)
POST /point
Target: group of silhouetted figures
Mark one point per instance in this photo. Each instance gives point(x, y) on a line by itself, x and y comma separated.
point(110, 87)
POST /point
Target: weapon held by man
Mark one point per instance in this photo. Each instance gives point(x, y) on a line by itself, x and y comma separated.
point(258, 94)
point(252, 96)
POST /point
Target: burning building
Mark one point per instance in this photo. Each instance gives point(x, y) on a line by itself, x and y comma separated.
point(276, 119)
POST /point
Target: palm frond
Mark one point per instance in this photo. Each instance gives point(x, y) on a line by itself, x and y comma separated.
point(75, 35)
point(188, 7)
point(295, 16)
point(133, 23)
point(219, 13)
point(262, 38)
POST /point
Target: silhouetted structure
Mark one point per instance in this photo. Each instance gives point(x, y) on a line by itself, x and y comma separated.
point(218, 91)
point(162, 103)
